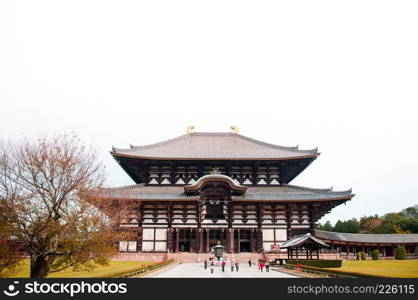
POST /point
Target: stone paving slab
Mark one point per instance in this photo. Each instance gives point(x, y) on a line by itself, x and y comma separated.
point(196, 270)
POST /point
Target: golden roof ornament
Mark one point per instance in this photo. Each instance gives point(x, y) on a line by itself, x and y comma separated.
point(190, 129)
point(235, 129)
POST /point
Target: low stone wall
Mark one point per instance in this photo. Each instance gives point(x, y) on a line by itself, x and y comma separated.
point(155, 257)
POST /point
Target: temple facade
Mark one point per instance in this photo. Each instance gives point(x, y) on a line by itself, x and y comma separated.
point(200, 188)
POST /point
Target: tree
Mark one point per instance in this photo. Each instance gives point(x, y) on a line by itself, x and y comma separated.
point(400, 253)
point(375, 254)
point(409, 225)
point(41, 188)
point(411, 212)
point(368, 224)
point(390, 223)
point(326, 227)
point(10, 257)
point(361, 255)
point(371, 226)
point(349, 226)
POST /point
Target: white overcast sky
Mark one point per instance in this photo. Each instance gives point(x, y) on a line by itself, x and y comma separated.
point(340, 75)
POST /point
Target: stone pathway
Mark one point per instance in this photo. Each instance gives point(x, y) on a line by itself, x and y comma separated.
point(196, 270)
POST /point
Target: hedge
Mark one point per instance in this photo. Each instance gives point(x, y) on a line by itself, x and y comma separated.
point(400, 252)
point(319, 263)
point(344, 273)
point(375, 254)
point(148, 268)
point(361, 255)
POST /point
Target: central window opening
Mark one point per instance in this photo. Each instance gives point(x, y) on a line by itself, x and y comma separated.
point(214, 210)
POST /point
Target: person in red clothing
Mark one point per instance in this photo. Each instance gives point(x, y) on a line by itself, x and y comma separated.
point(261, 266)
point(223, 266)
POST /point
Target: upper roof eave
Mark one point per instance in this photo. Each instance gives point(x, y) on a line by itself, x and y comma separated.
point(113, 153)
point(214, 146)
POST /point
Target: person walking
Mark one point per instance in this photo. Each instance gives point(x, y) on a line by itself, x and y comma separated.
point(249, 262)
point(205, 264)
point(212, 267)
point(236, 265)
point(223, 265)
point(267, 266)
point(232, 265)
point(261, 266)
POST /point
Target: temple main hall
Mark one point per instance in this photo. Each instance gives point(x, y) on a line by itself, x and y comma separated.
point(201, 188)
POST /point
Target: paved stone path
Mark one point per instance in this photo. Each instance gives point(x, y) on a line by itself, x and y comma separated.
point(196, 270)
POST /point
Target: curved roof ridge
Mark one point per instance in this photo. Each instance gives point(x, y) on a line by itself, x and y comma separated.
point(328, 190)
point(292, 148)
point(130, 186)
point(184, 136)
point(133, 147)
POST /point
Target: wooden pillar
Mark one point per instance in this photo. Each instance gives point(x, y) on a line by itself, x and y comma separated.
point(297, 256)
point(191, 240)
point(253, 241)
point(317, 253)
point(238, 241)
point(200, 240)
point(139, 241)
point(170, 245)
point(177, 239)
point(288, 221)
point(140, 231)
point(199, 231)
point(170, 240)
point(259, 231)
point(259, 239)
point(231, 240)
point(207, 241)
point(348, 251)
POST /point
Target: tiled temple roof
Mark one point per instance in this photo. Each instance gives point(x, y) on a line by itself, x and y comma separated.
point(302, 239)
point(367, 237)
point(214, 145)
point(262, 193)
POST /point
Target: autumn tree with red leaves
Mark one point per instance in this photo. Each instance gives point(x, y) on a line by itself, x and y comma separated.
point(42, 184)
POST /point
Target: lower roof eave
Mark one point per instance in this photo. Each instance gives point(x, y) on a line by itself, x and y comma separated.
point(233, 200)
point(295, 200)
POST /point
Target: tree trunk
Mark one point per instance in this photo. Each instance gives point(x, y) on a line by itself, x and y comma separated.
point(40, 265)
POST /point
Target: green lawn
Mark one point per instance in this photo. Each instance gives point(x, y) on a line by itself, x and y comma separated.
point(115, 268)
point(392, 268)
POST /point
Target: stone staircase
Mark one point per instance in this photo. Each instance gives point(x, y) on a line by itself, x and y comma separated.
point(186, 257)
point(243, 257)
point(156, 257)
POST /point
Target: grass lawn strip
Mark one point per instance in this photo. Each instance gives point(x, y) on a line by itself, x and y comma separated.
point(387, 268)
point(114, 269)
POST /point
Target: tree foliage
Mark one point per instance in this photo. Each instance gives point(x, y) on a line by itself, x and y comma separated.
point(375, 254)
point(41, 187)
point(10, 257)
point(405, 221)
point(400, 253)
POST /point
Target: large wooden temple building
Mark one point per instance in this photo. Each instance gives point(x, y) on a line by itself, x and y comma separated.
point(200, 188)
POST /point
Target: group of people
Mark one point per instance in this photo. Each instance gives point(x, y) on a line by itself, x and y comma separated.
point(233, 264)
point(261, 265)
